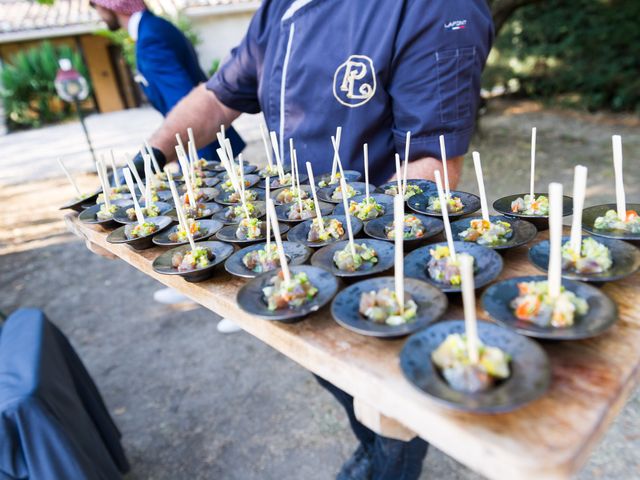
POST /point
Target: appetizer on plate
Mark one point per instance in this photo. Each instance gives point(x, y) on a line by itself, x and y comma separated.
point(114, 196)
point(345, 260)
point(610, 221)
point(269, 171)
point(140, 230)
point(249, 196)
point(487, 233)
point(367, 209)
point(594, 257)
point(454, 204)
point(442, 267)
point(106, 213)
point(262, 260)
point(337, 193)
point(228, 185)
point(192, 259)
point(453, 362)
point(287, 179)
point(281, 294)
point(249, 229)
point(150, 211)
point(333, 228)
point(533, 304)
point(326, 182)
point(531, 205)
point(413, 228)
point(412, 189)
point(180, 235)
point(308, 210)
point(289, 195)
point(232, 213)
point(382, 306)
point(197, 211)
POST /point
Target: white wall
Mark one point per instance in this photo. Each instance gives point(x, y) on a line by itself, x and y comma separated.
point(220, 30)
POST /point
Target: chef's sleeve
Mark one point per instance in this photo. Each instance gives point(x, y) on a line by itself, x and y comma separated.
point(438, 59)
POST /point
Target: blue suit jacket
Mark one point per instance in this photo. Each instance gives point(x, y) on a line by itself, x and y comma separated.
point(169, 64)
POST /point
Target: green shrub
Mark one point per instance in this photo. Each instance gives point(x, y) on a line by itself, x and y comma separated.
point(27, 86)
point(584, 53)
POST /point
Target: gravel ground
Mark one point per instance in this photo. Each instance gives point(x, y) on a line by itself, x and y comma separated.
point(194, 404)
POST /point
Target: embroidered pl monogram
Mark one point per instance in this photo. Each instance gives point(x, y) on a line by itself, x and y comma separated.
point(354, 82)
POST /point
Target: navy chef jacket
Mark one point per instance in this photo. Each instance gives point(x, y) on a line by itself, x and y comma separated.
point(378, 68)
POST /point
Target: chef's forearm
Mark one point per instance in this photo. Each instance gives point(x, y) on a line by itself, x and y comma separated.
point(425, 168)
point(200, 110)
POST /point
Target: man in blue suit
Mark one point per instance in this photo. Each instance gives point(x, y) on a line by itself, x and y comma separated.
point(167, 63)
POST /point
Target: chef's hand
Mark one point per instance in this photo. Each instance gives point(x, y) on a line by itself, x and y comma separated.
point(424, 168)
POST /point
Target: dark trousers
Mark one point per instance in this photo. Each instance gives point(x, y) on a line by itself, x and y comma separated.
point(391, 459)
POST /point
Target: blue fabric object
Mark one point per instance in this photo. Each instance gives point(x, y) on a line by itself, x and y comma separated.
point(53, 422)
point(377, 68)
point(391, 459)
point(169, 64)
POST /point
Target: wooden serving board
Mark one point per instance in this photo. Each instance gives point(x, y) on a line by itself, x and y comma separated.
point(550, 438)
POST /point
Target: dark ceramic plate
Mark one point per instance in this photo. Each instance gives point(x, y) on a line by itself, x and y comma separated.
point(262, 183)
point(274, 193)
point(261, 211)
point(208, 228)
point(122, 217)
point(602, 312)
point(140, 243)
point(213, 166)
point(123, 196)
point(80, 204)
point(376, 229)
point(487, 265)
point(228, 234)
point(210, 193)
point(530, 369)
point(221, 251)
point(89, 215)
point(432, 304)
point(349, 175)
point(324, 258)
point(425, 185)
point(246, 168)
point(251, 299)
point(625, 257)
point(590, 214)
point(260, 173)
point(541, 222)
point(207, 182)
point(300, 232)
point(325, 193)
point(283, 210)
point(211, 208)
point(523, 231)
point(296, 254)
point(223, 197)
point(420, 204)
point(385, 201)
point(251, 179)
point(163, 196)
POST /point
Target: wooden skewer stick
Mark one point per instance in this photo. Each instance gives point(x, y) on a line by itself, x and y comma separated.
point(148, 178)
point(242, 189)
point(276, 233)
point(114, 171)
point(555, 240)
point(267, 148)
point(347, 216)
point(69, 177)
point(134, 171)
point(276, 151)
point(182, 218)
point(617, 168)
point(579, 189)
point(399, 175)
point(136, 206)
point(295, 176)
point(268, 195)
point(406, 163)
point(295, 159)
point(222, 155)
point(445, 216)
point(312, 182)
point(106, 188)
point(484, 206)
point(182, 159)
point(193, 158)
point(398, 223)
point(179, 140)
point(148, 174)
point(227, 144)
point(366, 171)
point(445, 170)
point(334, 166)
point(154, 160)
point(533, 163)
point(469, 303)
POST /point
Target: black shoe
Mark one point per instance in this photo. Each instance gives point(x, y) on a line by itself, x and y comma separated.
point(358, 467)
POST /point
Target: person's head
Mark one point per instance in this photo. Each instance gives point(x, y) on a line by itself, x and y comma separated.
point(116, 13)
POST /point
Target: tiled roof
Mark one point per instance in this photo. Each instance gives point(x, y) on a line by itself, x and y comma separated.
point(29, 15)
